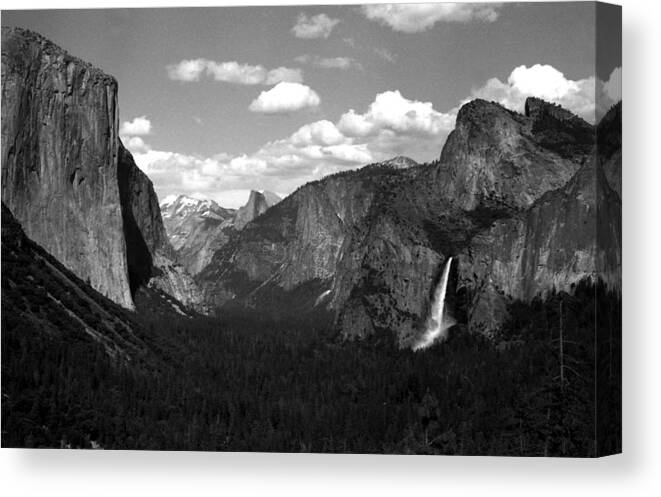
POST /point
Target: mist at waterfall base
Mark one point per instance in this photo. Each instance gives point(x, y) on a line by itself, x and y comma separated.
point(439, 321)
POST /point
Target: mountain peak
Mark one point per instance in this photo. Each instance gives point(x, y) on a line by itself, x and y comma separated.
point(183, 206)
point(484, 114)
point(400, 162)
point(258, 203)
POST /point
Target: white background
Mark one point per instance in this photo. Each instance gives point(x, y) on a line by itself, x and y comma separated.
point(636, 472)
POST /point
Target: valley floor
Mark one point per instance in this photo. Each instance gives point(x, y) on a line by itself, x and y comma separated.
point(241, 384)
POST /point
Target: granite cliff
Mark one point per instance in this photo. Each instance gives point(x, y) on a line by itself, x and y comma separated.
point(197, 229)
point(522, 201)
point(298, 241)
point(257, 205)
point(40, 295)
point(59, 159)
point(68, 180)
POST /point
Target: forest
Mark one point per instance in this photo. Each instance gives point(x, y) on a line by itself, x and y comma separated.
point(545, 385)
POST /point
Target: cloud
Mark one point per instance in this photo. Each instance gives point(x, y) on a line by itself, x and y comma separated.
point(390, 110)
point(391, 125)
point(135, 144)
point(285, 97)
point(138, 126)
point(546, 82)
point(187, 70)
point(232, 72)
point(343, 63)
point(319, 26)
point(413, 18)
point(284, 74)
point(318, 133)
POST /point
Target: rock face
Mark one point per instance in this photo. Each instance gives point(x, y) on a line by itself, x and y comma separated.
point(67, 178)
point(257, 204)
point(609, 143)
point(568, 235)
point(196, 229)
point(523, 202)
point(297, 241)
point(496, 157)
point(400, 162)
point(151, 258)
point(40, 295)
point(59, 159)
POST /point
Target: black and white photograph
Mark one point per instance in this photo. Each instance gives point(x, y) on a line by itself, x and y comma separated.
point(349, 229)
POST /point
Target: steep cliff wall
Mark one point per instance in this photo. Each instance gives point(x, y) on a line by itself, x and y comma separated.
point(59, 159)
point(513, 197)
point(568, 235)
point(68, 180)
point(496, 157)
point(296, 241)
point(151, 258)
point(521, 201)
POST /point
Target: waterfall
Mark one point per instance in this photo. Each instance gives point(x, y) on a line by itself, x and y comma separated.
point(437, 323)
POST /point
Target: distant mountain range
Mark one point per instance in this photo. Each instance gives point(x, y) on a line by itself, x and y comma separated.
point(524, 203)
point(198, 228)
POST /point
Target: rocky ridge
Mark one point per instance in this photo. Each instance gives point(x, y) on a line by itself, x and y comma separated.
point(199, 228)
point(523, 208)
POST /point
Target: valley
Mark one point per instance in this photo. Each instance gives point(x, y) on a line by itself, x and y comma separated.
point(446, 307)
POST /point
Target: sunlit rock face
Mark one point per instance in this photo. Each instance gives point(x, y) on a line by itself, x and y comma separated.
point(69, 181)
point(299, 240)
point(151, 258)
point(499, 158)
point(258, 203)
point(568, 235)
point(59, 159)
point(196, 229)
point(523, 201)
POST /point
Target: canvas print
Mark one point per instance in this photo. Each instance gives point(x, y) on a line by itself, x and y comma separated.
point(381, 229)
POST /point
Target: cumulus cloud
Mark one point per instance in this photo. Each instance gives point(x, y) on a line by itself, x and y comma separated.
point(285, 97)
point(391, 125)
point(135, 144)
point(137, 127)
point(187, 70)
point(343, 63)
point(413, 18)
point(319, 26)
point(545, 81)
point(318, 133)
point(232, 72)
point(390, 110)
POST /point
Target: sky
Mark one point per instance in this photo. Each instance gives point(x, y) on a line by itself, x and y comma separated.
point(215, 102)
